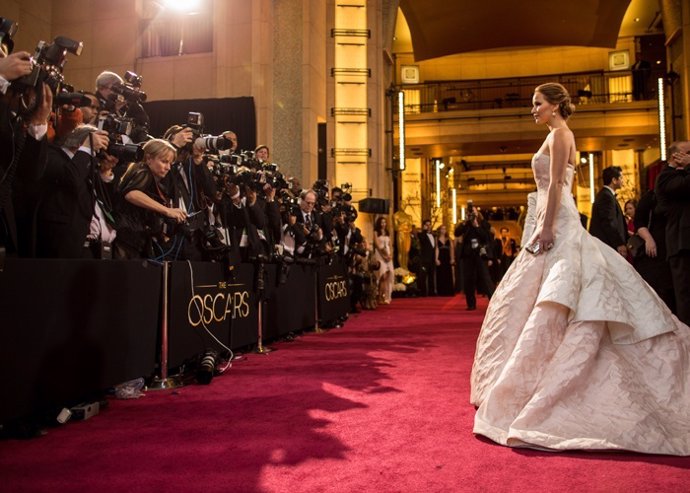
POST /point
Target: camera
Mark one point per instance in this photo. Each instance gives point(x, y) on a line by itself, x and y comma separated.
point(130, 90)
point(195, 121)
point(207, 367)
point(115, 125)
point(212, 143)
point(47, 62)
point(70, 98)
point(126, 153)
point(134, 79)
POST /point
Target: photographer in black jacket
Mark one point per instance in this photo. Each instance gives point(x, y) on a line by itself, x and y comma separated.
point(66, 194)
point(145, 216)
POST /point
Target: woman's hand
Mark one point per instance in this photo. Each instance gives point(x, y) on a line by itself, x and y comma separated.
point(177, 214)
point(546, 239)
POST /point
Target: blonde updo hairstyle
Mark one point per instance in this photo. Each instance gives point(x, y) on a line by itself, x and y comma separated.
point(557, 95)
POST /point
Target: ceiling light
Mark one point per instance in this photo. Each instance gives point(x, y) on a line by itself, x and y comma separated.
point(184, 7)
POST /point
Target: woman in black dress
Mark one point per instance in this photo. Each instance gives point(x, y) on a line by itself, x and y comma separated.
point(445, 263)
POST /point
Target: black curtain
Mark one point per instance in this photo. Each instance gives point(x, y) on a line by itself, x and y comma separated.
point(236, 114)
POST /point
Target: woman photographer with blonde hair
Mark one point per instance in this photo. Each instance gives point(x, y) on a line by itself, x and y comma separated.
point(144, 202)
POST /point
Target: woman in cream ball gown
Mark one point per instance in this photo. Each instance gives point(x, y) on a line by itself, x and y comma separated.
point(576, 351)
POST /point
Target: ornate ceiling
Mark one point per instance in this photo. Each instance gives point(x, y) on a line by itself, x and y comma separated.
point(446, 27)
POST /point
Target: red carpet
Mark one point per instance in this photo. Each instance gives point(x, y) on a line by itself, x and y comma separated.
point(379, 405)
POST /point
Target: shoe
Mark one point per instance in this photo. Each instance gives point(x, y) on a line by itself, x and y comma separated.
point(471, 307)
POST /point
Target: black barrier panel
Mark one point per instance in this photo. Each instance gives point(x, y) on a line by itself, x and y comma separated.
point(334, 291)
point(291, 306)
point(205, 298)
point(71, 328)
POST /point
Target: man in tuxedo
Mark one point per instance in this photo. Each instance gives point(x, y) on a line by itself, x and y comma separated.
point(427, 260)
point(608, 221)
point(673, 198)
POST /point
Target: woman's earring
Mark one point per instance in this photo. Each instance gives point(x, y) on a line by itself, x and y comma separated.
point(553, 113)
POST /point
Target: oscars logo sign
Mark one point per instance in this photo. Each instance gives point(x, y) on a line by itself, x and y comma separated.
point(335, 289)
point(208, 308)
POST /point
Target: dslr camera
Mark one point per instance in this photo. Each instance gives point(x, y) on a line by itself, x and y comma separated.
point(47, 63)
point(211, 143)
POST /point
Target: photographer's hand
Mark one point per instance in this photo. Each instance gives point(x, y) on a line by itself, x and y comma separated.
point(15, 65)
point(270, 193)
point(42, 112)
point(682, 159)
point(181, 138)
point(97, 140)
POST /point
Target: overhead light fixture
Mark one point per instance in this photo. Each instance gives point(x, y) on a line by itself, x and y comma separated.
point(183, 7)
point(401, 130)
point(662, 118)
point(454, 195)
point(439, 165)
point(591, 177)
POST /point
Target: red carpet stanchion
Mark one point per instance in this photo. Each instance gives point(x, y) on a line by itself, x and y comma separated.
point(164, 381)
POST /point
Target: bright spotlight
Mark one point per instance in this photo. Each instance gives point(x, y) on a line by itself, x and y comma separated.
point(184, 6)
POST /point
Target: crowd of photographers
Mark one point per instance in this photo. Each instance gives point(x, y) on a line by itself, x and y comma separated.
point(83, 178)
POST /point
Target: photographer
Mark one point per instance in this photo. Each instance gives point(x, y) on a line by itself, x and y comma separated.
point(193, 190)
point(22, 137)
point(144, 208)
point(104, 92)
point(475, 241)
point(66, 201)
point(312, 226)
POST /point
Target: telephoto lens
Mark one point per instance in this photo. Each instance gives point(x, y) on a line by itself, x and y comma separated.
point(207, 367)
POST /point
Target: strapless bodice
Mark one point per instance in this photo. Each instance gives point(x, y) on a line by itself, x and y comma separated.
point(541, 167)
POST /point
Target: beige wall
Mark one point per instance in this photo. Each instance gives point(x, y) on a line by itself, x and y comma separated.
point(34, 19)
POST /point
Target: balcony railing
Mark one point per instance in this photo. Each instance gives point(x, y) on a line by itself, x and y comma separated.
point(585, 88)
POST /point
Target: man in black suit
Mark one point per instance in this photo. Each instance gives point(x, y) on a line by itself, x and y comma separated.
point(673, 198)
point(608, 221)
point(427, 260)
point(313, 233)
point(67, 200)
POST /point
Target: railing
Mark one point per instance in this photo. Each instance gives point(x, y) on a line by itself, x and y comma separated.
point(584, 88)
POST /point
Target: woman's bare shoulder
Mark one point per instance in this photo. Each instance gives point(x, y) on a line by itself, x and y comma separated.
point(562, 135)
